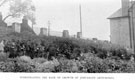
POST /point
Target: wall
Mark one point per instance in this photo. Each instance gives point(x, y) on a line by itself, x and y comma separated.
point(120, 31)
point(16, 27)
point(5, 30)
point(56, 33)
point(65, 33)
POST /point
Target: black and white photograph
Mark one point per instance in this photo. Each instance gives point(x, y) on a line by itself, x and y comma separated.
point(67, 36)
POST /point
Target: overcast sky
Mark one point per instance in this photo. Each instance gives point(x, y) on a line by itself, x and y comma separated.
point(64, 15)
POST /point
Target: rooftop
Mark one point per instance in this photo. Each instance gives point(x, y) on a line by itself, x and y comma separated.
point(117, 14)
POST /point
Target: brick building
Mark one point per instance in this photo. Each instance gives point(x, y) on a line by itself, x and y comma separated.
point(2, 23)
point(25, 28)
point(122, 24)
point(15, 27)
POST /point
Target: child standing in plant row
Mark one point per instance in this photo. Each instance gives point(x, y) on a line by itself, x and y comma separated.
point(2, 46)
point(3, 56)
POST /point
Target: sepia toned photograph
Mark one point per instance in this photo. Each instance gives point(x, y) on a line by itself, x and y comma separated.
point(67, 36)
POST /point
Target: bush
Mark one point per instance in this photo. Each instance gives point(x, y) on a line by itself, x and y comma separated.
point(3, 56)
point(16, 66)
point(67, 47)
point(67, 66)
point(95, 65)
point(39, 60)
point(119, 66)
point(24, 67)
point(78, 55)
point(7, 66)
point(47, 66)
point(24, 59)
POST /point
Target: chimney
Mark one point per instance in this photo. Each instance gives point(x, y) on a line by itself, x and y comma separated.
point(79, 35)
point(25, 20)
point(43, 31)
point(16, 27)
point(65, 33)
point(0, 16)
point(125, 7)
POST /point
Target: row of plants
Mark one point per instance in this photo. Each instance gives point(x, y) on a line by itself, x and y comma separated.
point(36, 46)
point(25, 53)
point(63, 65)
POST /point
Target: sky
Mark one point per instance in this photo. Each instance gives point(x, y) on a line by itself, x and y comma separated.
point(64, 15)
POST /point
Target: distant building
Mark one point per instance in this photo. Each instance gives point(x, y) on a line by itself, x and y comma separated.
point(95, 39)
point(15, 27)
point(43, 32)
point(122, 25)
point(73, 36)
point(79, 35)
point(56, 33)
point(25, 28)
point(2, 23)
point(65, 33)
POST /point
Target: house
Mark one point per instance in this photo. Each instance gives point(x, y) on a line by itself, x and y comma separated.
point(122, 25)
point(25, 28)
point(15, 27)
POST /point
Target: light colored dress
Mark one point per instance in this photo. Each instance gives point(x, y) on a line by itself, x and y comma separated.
point(2, 46)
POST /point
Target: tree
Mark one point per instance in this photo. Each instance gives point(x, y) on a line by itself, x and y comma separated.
point(19, 8)
point(31, 15)
point(3, 2)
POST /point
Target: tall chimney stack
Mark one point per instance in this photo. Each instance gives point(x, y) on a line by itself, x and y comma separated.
point(125, 7)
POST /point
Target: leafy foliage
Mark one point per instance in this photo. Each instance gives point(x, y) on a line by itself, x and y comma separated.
point(19, 8)
point(54, 54)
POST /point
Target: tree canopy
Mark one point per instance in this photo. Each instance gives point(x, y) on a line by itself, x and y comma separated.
point(3, 2)
point(19, 8)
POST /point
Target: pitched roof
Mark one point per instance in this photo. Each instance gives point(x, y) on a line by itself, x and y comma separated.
point(117, 14)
